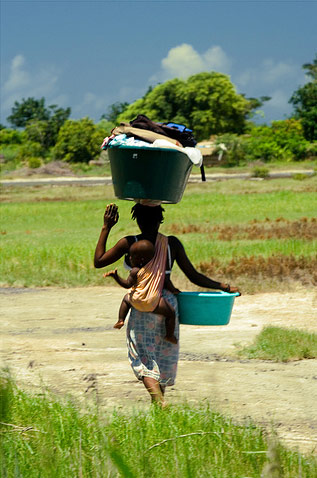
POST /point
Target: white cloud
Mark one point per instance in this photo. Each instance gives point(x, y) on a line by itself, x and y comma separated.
point(24, 83)
point(269, 73)
point(274, 72)
point(183, 61)
point(279, 100)
point(18, 76)
point(276, 79)
point(92, 105)
point(90, 99)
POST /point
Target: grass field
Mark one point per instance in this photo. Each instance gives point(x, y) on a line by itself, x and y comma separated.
point(282, 345)
point(260, 235)
point(46, 437)
point(251, 231)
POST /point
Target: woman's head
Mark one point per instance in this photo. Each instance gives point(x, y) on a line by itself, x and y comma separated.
point(141, 252)
point(148, 218)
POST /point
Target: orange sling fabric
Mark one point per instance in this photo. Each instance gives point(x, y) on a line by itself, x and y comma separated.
point(145, 295)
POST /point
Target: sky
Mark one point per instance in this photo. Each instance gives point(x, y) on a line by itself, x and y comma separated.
point(90, 54)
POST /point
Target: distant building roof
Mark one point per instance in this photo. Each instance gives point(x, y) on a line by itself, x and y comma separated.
point(207, 147)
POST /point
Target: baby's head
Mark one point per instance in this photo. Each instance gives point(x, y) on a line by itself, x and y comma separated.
point(141, 252)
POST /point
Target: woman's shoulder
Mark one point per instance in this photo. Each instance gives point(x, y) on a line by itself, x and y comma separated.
point(130, 239)
point(174, 242)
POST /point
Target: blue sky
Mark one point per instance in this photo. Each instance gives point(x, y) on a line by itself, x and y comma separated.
point(90, 54)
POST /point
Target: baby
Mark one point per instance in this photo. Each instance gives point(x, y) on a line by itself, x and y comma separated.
point(140, 253)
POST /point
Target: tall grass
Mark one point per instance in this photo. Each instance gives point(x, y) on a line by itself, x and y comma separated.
point(282, 345)
point(45, 437)
point(51, 242)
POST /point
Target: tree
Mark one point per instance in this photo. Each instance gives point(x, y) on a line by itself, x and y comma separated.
point(311, 69)
point(114, 111)
point(304, 101)
point(27, 110)
point(41, 124)
point(10, 136)
point(45, 132)
point(78, 141)
point(207, 103)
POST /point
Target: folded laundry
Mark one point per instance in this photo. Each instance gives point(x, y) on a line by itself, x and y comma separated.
point(143, 134)
point(124, 141)
point(194, 154)
point(171, 130)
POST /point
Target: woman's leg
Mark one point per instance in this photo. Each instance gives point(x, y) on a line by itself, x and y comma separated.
point(155, 390)
point(162, 387)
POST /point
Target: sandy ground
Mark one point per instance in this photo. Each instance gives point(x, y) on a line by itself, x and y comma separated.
point(64, 339)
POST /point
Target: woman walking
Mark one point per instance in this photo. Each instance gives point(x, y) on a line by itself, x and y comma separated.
point(153, 359)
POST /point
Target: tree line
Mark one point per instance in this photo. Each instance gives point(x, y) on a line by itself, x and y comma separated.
point(206, 102)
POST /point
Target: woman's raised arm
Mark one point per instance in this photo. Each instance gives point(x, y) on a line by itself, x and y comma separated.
point(102, 257)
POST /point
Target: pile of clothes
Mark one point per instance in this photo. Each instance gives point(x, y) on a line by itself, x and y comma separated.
point(144, 133)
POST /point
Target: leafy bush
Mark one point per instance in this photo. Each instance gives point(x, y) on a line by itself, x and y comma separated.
point(11, 136)
point(283, 140)
point(78, 141)
point(34, 162)
point(311, 151)
point(29, 149)
point(10, 152)
point(235, 150)
point(260, 172)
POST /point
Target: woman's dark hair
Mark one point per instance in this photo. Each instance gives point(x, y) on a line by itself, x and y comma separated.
point(147, 214)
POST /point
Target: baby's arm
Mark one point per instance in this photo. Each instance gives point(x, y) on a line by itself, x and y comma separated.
point(126, 283)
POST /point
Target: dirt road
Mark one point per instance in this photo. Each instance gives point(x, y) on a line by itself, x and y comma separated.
point(63, 338)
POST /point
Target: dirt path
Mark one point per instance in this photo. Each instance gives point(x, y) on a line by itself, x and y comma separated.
point(63, 338)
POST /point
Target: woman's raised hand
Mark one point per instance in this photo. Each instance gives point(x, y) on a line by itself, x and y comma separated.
point(111, 215)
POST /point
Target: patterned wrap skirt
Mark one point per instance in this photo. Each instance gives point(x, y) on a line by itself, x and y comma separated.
point(150, 355)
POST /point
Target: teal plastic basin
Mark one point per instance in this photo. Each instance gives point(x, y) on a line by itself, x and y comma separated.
point(149, 173)
point(205, 308)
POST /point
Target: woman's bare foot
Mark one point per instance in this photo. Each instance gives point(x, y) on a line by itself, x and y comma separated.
point(162, 404)
point(171, 338)
point(119, 324)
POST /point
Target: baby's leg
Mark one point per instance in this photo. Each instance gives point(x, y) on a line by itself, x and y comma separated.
point(164, 308)
point(123, 311)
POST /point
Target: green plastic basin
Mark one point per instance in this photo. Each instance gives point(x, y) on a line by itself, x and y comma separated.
point(149, 173)
point(205, 308)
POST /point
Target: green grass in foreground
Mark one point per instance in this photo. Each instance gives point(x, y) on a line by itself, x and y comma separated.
point(282, 345)
point(47, 438)
point(48, 237)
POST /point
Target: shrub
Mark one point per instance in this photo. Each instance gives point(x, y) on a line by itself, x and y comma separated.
point(10, 136)
point(283, 140)
point(311, 151)
point(235, 151)
point(9, 152)
point(29, 149)
point(34, 162)
point(299, 176)
point(289, 134)
point(260, 172)
point(78, 141)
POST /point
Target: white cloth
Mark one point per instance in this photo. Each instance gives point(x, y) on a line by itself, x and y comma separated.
point(122, 140)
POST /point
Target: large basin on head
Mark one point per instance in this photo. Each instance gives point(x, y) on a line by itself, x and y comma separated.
point(205, 308)
point(159, 174)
